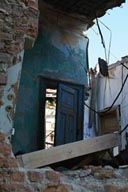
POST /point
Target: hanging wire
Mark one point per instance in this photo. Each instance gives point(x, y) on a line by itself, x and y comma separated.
point(124, 65)
point(123, 129)
point(91, 108)
point(110, 41)
point(102, 38)
point(112, 54)
point(109, 108)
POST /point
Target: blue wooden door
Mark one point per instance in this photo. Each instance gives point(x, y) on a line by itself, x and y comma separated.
point(67, 114)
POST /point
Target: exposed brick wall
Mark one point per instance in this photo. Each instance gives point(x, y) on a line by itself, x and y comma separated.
point(16, 179)
point(18, 28)
point(18, 31)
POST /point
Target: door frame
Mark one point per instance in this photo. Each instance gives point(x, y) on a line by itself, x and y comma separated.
point(44, 82)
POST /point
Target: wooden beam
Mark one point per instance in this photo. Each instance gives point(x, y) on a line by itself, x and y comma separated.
point(68, 151)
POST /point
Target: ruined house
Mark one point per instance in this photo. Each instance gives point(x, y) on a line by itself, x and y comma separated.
point(44, 59)
point(112, 102)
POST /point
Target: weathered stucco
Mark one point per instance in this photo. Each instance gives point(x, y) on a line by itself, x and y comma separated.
point(9, 96)
point(60, 52)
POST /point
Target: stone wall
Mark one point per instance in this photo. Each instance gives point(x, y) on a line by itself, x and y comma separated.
point(18, 31)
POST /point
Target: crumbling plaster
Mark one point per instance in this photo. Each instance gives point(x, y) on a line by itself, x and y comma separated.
point(60, 54)
point(18, 31)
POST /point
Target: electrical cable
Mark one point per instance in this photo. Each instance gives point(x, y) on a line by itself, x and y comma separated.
point(109, 108)
point(123, 129)
point(102, 38)
point(91, 108)
point(110, 41)
point(124, 65)
point(112, 54)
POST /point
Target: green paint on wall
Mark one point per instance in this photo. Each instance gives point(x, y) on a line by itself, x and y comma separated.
point(47, 59)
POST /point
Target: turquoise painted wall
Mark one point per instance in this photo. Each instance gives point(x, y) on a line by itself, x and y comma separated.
point(58, 54)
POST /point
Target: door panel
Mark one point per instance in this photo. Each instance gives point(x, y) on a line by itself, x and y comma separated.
point(66, 115)
point(41, 133)
point(69, 112)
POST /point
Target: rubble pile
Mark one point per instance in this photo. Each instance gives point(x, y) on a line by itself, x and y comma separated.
point(88, 179)
point(97, 179)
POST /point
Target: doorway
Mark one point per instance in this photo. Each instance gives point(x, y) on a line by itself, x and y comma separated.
point(61, 112)
point(50, 116)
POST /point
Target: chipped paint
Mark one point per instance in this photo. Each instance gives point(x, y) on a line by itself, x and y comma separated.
point(65, 29)
point(53, 56)
point(9, 96)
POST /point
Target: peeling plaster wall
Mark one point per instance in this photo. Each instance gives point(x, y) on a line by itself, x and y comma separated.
point(108, 88)
point(59, 53)
point(62, 47)
point(9, 96)
point(18, 30)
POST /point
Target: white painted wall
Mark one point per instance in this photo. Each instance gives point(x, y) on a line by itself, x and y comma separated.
point(108, 88)
point(9, 96)
point(88, 132)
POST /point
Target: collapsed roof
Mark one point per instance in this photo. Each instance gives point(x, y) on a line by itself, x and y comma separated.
point(90, 9)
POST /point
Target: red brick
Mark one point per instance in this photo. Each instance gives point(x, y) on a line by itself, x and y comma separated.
point(63, 188)
point(3, 79)
point(9, 162)
point(33, 13)
point(15, 48)
point(1, 102)
point(125, 189)
point(12, 162)
point(33, 24)
point(6, 36)
point(17, 11)
point(33, 4)
point(95, 169)
point(2, 46)
point(32, 32)
point(17, 176)
point(2, 175)
point(115, 188)
point(5, 149)
point(1, 162)
point(53, 176)
point(58, 188)
point(35, 176)
point(6, 58)
point(50, 189)
point(13, 187)
point(2, 137)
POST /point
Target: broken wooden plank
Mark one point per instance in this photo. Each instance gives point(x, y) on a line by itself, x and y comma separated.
point(68, 151)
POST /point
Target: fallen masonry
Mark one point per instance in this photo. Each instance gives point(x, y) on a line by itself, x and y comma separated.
point(13, 178)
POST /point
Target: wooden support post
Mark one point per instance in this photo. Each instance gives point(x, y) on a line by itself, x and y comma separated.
point(68, 151)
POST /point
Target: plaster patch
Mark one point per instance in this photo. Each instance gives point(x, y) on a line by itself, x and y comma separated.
point(8, 108)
